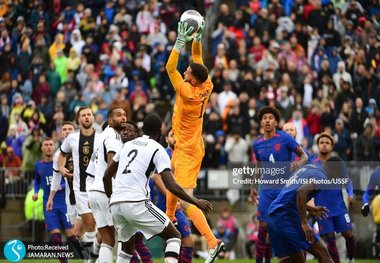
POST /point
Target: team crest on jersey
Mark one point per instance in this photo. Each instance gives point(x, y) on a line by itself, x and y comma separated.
point(277, 147)
point(86, 150)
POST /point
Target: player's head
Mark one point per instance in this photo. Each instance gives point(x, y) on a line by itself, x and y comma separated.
point(152, 126)
point(196, 74)
point(269, 117)
point(170, 138)
point(47, 147)
point(290, 129)
point(85, 117)
point(67, 128)
point(130, 132)
point(325, 143)
point(117, 118)
point(334, 167)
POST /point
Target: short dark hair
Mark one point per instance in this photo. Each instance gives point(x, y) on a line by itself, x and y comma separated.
point(68, 123)
point(134, 125)
point(152, 124)
point(104, 125)
point(82, 109)
point(268, 109)
point(111, 110)
point(168, 131)
point(327, 135)
point(199, 71)
point(334, 167)
point(46, 139)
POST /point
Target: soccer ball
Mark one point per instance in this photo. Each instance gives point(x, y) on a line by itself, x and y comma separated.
point(193, 18)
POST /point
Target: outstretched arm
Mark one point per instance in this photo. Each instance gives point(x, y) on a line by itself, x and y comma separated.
point(171, 67)
point(196, 51)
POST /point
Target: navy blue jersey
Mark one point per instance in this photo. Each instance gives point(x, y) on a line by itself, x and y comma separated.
point(374, 182)
point(275, 152)
point(43, 177)
point(287, 199)
point(161, 199)
point(333, 199)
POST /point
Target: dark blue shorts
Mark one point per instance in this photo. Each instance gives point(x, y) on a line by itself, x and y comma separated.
point(57, 219)
point(286, 234)
point(183, 224)
point(333, 224)
point(266, 197)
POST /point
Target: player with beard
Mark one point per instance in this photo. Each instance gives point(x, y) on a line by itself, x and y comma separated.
point(110, 143)
point(338, 219)
point(81, 144)
point(273, 150)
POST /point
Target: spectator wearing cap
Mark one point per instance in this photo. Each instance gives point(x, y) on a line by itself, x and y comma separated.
point(371, 108)
point(366, 146)
point(343, 145)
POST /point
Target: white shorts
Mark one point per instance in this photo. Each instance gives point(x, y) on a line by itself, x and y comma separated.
point(100, 207)
point(81, 202)
point(72, 213)
point(143, 217)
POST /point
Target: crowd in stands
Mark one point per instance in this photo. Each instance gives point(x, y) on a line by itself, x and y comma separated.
point(317, 62)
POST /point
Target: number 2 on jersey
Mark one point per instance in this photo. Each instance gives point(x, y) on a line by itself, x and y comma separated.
point(132, 153)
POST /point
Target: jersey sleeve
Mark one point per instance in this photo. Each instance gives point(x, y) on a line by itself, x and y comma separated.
point(37, 179)
point(113, 144)
point(66, 147)
point(372, 185)
point(55, 181)
point(116, 157)
point(291, 143)
point(171, 67)
point(161, 160)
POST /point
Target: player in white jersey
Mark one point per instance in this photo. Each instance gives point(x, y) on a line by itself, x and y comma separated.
point(131, 208)
point(99, 203)
point(81, 144)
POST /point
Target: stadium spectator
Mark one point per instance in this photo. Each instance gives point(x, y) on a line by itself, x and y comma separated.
point(15, 140)
point(251, 233)
point(343, 145)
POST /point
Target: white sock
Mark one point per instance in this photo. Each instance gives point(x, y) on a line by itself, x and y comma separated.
point(173, 246)
point(95, 247)
point(118, 248)
point(123, 257)
point(105, 254)
point(88, 237)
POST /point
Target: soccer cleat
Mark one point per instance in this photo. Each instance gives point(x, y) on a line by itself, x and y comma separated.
point(214, 252)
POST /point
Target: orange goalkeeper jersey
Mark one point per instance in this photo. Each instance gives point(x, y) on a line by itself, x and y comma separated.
point(190, 103)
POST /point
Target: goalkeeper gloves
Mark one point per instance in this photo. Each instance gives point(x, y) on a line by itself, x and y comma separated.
point(183, 35)
point(198, 35)
point(365, 209)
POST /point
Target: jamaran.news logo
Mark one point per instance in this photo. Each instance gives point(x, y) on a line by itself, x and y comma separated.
point(14, 250)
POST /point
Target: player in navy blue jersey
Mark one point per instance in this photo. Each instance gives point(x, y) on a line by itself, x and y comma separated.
point(289, 231)
point(183, 225)
point(272, 150)
point(290, 129)
point(57, 218)
point(338, 219)
point(374, 182)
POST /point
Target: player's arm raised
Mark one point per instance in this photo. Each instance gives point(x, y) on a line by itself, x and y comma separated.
point(302, 194)
point(174, 188)
point(171, 67)
point(196, 49)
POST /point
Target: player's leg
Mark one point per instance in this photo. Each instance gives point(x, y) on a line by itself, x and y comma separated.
point(171, 199)
point(295, 258)
point(342, 224)
point(263, 248)
point(127, 249)
point(187, 246)
point(173, 243)
point(141, 249)
point(327, 232)
point(81, 199)
point(319, 251)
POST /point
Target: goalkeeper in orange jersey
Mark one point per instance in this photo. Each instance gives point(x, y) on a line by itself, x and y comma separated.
point(192, 94)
